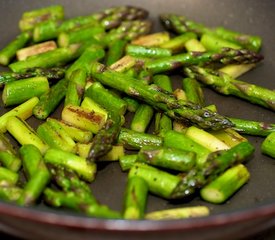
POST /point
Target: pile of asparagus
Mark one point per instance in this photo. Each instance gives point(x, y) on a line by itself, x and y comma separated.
point(104, 69)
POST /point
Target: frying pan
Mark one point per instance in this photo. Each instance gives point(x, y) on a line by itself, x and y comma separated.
point(250, 210)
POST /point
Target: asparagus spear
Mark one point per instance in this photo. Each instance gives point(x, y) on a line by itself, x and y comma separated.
point(178, 213)
point(142, 118)
point(135, 140)
point(225, 185)
point(23, 111)
point(170, 158)
point(115, 51)
point(180, 24)
point(216, 164)
point(49, 101)
point(76, 87)
point(51, 74)
point(54, 58)
point(106, 137)
point(10, 193)
point(152, 40)
point(159, 182)
point(163, 123)
point(8, 52)
point(153, 95)
point(24, 133)
point(225, 56)
point(225, 84)
point(267, 146)
point(26, 52)
point(84, 169)
point(105, 98)
point(8, 177)
point(20, 91)
point(37, 174)
point(75, 194)
point(147, 52)
point(128, 30)
point(108, 18)
point(135, 198)
point(193, 91)
point(127, 161)
point(31, 18)
point(245, 126)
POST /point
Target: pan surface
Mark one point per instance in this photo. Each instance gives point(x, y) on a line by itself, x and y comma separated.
point(251, 210)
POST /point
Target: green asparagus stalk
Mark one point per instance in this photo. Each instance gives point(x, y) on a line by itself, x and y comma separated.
point(106, 99)
point(20, 91)
point(170, 158)
point(49, 101)
point(90, 54)
point(84, 169)
point(178, 43)
point(132, 104)
point(225, 185)
point(159, 182)
point(216, 164)
point(267, 146)
point(51, 74)
point(147, 52)
point(194, 45)
point(109, 18)
point(26, 52)
point(135, 140)
point(106, 137)
point(52, 133)
point(22, 111)
point(245, 126)
point(10, 161)
point(124, 64)
point(31, 18)
point(180, 25)
point(225, 84)
point(9, 52)
point(115, 51)
point(10, 193)
point(54, 58)
point(229, 136)
point(236, 70)
point(128, 30)
point(8, 177)
point(77, 134)
point(205, 139)
point(152, 40)
point(135, 198)
point(25, 134)
point(91, 105)
point(162, 122)
point(72, 201)
point(91, 34)
point(178, 140)
point(83, 118)
point(127, 161)
point(225, 56)
point(193, 91)
point(153, 95)
point(178, 213)
point(214, 43)
point(142, 118)
point(37, 174)
point(76, 87)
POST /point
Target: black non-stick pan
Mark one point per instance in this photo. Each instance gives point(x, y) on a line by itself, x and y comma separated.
point(250, 210)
